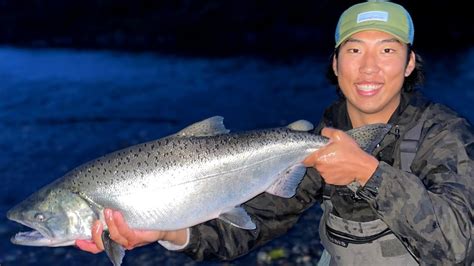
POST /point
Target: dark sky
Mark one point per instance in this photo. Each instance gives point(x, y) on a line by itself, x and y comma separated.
point(211, 26)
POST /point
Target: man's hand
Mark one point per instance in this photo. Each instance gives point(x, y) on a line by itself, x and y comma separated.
point(125, 236)
point(342, 161)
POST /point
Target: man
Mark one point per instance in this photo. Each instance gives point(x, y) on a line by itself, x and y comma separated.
point(410, 202)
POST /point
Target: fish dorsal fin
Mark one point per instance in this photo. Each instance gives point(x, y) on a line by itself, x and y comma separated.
point(370, 135)
point(114, 251)
point(207, 127)
point(301, 125)
point(238, 217)
point(287, 182)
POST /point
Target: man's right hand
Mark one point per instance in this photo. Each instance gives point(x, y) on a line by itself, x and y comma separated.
point(129, 238)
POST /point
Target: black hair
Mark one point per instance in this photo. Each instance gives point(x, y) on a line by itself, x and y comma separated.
point(411, 83)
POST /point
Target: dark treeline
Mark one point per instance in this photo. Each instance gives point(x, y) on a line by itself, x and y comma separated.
point(210, 26)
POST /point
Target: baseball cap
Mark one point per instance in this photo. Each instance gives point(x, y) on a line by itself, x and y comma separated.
point(376, 15)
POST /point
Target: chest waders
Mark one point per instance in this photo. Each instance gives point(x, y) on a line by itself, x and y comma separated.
point(349, 242)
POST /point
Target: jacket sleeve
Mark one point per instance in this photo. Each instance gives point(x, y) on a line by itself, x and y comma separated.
point(272, 215)
point(431, 210)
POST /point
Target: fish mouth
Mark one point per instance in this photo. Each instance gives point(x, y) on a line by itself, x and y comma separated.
point(37, 239)
point(30, 238)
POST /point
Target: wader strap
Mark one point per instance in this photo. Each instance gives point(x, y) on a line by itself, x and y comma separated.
point(409, 144)
point(328, 190)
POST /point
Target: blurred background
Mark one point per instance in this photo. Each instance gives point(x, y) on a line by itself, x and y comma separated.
point(79, 79)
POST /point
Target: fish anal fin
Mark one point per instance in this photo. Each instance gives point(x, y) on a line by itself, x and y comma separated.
point(238, 217)
point(114, 251)
point(287, 182)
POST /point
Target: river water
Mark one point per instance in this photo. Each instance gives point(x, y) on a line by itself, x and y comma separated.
point(60, 108)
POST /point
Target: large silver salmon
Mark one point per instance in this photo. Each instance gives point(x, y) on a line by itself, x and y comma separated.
point(198, 174)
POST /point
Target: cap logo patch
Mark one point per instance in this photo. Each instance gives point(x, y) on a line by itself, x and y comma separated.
point(372, 15)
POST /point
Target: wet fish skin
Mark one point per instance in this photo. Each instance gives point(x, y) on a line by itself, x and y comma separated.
point(200, 173)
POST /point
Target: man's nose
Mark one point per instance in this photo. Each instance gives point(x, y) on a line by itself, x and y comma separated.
point(369, 64)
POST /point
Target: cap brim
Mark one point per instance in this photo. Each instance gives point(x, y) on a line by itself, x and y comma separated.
point(397, 34)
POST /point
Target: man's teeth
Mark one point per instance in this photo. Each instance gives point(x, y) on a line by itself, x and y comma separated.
point(368, 87)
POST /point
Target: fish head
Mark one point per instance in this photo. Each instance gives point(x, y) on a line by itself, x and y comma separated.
point(57, 216)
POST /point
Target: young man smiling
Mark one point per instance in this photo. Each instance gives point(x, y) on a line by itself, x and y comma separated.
point(409, 202)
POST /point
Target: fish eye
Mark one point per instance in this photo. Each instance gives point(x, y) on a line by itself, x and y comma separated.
point(40, 217)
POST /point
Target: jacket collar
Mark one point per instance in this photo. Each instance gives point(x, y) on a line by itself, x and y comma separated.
point(411, 104)
point(405, 117)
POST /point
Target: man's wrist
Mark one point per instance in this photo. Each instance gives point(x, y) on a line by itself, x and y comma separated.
point(370, 190)
point(368, 169)
point(175, 240)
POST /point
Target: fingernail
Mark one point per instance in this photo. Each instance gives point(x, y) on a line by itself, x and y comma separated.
point(108, 214)
point(96, 227)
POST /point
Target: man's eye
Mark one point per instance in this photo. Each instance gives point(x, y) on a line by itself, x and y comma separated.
point(388, 50)
point(354, 50)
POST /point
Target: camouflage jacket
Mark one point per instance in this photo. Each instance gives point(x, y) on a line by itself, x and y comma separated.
point(430, 209)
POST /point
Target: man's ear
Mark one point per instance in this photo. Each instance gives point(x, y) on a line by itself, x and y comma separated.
point(411, 64)
point(334, 65)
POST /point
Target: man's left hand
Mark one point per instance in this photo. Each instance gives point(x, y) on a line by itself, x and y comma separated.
point(342, 161)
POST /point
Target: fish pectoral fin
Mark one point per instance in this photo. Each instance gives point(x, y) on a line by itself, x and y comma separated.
point(238, 217)
point(207, 127)
point(114, 251)
point(287, 181)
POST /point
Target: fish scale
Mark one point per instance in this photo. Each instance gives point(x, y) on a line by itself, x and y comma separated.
point(200, 173)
